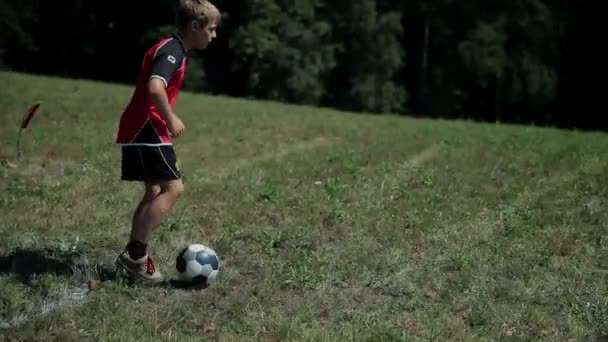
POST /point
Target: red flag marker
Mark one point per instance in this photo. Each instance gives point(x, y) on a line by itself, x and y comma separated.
point(24, 123)
point(30, 114)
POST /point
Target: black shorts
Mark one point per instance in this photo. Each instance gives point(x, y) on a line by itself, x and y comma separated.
point(143, 163)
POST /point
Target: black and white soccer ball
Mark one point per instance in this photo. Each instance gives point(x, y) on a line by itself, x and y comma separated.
point(198, 265)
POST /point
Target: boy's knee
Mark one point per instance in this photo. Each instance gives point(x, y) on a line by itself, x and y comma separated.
point(152, 191)
point(176, 188)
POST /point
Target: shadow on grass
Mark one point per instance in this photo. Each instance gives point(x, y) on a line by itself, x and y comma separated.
point(27, 264)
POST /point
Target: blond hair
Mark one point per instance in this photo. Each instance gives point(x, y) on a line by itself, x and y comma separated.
point(202, 11)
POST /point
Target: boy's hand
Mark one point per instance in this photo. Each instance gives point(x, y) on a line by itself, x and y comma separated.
point(175, 125)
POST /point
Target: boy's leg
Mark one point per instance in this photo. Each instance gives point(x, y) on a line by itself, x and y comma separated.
point(137, 244)
point(154, 208)
point(159, 198)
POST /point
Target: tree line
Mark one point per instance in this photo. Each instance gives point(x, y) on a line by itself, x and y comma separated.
point(520, 61)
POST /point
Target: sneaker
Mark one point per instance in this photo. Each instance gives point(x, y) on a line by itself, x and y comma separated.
point(142, 269)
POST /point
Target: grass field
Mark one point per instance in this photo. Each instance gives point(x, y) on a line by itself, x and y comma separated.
point(330, 226)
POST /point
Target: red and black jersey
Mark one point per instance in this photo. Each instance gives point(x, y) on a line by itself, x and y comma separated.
point(141, 123)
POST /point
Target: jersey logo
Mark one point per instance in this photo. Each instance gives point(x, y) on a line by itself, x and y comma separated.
point(171, 59)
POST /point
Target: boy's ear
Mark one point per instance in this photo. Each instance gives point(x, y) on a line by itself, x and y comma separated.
point(199, 24)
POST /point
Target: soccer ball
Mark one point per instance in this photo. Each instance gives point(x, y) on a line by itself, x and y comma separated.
point(198, 265)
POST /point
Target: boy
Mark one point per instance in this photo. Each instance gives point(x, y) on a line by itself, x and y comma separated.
point(147, 126)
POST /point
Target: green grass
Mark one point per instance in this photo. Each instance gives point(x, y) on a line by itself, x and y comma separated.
point(330, 226)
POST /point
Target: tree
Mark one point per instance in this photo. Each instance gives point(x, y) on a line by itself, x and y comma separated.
point(285, 49)
point(16, 21)
point(367, 76)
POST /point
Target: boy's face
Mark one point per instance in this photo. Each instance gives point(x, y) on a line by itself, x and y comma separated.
point(203, 35)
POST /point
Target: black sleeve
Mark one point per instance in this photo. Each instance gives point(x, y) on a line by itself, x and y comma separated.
point(167, 61)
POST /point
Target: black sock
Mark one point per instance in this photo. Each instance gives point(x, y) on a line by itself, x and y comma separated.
point(136, 249)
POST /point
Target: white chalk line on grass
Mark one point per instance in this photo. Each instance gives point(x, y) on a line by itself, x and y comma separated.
point(413, 162)
point(421, 157)
point(283, 151)
point(73, 296)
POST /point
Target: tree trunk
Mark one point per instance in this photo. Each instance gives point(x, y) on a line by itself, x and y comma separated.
point(497, 99)
point(424, 63)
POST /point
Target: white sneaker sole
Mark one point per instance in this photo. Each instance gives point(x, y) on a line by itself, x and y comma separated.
point(137, 275)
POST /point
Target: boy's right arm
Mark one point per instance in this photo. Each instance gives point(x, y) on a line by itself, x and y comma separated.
point(167, 60)
point(156, 87)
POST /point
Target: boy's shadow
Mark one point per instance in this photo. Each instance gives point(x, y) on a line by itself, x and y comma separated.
point(25, 265)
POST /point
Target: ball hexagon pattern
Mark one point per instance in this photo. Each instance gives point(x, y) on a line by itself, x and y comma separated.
point(198, 264)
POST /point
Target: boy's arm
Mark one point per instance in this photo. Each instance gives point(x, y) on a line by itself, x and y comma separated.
point(156, 87)
point(158, 95)
point(166, 62)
